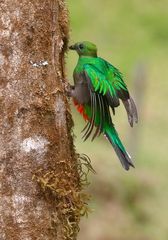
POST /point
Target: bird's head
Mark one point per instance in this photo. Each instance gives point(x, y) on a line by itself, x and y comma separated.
point(85, 49)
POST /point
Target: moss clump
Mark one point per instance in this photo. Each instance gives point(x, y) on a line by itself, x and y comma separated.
point(70, 200)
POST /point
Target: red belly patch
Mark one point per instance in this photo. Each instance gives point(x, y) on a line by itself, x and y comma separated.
point(80, 109)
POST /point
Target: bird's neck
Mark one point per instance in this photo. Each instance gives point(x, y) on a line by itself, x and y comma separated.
point(86, 59)
point(91, 55)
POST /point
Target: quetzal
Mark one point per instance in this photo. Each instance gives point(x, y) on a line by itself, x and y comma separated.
point(99, 86)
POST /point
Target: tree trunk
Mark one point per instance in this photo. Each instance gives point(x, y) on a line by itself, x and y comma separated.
point(39, 178)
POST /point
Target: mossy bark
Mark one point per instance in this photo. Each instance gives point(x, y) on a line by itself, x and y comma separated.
point(39, 180)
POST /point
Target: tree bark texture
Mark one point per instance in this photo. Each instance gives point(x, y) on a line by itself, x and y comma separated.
point(39, 178)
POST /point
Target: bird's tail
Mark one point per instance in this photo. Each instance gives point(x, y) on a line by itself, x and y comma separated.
point(115, 141)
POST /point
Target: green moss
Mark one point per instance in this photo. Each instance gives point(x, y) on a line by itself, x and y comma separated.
point(69, 196)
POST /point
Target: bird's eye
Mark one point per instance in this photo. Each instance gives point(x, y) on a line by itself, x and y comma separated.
point(81, 46)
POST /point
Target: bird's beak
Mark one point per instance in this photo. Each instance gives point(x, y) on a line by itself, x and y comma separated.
point(72, 47)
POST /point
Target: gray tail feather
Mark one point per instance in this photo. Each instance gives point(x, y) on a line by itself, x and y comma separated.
point(124, 157)
point(131, 109)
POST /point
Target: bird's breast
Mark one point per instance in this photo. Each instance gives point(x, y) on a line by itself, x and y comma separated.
point(81, 91)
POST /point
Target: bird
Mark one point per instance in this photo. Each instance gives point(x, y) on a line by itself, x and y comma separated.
point(99, 87)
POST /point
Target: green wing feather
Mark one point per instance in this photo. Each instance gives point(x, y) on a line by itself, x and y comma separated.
point(105, 79)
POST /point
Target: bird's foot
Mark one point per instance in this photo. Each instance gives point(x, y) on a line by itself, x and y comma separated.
point(68, 89)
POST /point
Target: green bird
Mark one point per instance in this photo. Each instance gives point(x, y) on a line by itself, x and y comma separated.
point(99, 86)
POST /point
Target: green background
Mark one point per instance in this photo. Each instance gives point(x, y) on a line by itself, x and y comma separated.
point(133, 36)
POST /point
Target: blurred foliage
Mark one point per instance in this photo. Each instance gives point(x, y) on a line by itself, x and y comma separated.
point(128, 205)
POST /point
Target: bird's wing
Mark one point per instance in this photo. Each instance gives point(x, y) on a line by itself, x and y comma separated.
point(99, 108)
point(111, 85)
point(115, 78)
point(103, 83)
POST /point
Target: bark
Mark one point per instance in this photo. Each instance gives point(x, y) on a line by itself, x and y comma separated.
point(39, 178)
